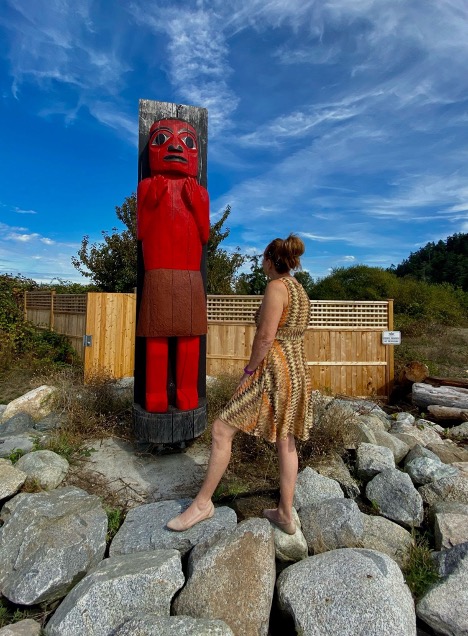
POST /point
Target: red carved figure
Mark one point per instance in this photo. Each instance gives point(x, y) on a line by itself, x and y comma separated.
point(173, 225)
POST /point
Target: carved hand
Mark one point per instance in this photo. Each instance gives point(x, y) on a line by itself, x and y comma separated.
point(159, 189)
point(190, 192)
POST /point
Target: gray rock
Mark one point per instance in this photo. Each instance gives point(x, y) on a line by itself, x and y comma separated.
point(45, 467)
point(419, 451)
point(118, 589)
point(449, 452)
point(18, 442)
point(335, 468)
point(312, 488)
point(447, 561)
point(11, 479)
point(332, 524)
point(38, 403)
point(418, 434)
point(2, 411)
point(48, 542)
point(396, 497)
point(405, 418)
point(424, 470)
point(372, 460)
point(290, 548)
point(50, 422)
point(450, 529)
point(349, 592)
point(359, 433)
point(444, 607)
point(16, 425)
point(446, 489)
point(361, 407)
point(375, 422)
point(459, 432)
point(386, 536)
point(399, 448)
point(145, 529)
point(451, 507)
point(27, 627)
point(149, 625)
point(232, 578)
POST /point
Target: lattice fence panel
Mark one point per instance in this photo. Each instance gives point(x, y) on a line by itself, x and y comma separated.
point(324, 313)
point(345, 313)
point(38, 299)
point(70, 303)
point(233, 308)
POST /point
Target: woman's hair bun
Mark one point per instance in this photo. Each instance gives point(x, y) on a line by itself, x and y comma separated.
point(294, 245)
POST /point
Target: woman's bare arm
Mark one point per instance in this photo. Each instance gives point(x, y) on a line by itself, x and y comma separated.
point(274, 301)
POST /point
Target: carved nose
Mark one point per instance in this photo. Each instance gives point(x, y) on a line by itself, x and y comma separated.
point(174, 149)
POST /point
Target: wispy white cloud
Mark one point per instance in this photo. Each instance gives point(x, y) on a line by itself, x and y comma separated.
point(21, 211)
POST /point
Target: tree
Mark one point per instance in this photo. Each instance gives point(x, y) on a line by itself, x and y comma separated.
point(112, 264)
point(222, 266)
point(255, 281)
point(306, 281)
point(441, 262)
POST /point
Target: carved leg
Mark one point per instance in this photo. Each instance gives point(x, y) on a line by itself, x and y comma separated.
point(156, 375)
point(188, 350)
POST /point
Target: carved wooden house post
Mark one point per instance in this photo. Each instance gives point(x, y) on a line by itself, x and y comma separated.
point(173, 229)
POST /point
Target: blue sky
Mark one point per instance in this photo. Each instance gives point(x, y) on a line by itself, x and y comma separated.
point(344, 121)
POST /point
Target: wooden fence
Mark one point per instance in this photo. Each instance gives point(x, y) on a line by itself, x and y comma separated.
point(343, 343)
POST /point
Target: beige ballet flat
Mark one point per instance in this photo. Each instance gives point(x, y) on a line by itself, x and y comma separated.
point(177, 526)
point(288, 527)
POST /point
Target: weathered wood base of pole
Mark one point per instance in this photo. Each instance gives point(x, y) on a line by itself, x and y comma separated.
point(172, 428)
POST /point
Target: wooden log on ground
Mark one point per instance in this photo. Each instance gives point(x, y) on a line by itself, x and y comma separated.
point(447, 413)
point(436, 381)
point(425, 395)
point(413, 372)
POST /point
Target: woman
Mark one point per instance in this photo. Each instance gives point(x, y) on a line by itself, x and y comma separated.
point(273, 398)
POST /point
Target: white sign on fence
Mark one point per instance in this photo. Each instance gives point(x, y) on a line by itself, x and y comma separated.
point(391, 337)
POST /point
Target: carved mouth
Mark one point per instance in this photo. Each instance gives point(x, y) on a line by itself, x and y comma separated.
point(175, 158)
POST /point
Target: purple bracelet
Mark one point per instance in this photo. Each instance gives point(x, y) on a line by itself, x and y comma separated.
point(248, 371)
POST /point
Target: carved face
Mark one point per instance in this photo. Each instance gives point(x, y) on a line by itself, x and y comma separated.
point(173, 148)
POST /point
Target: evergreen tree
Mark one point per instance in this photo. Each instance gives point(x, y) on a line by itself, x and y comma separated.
point(441, 262)
point(222, 266)
point(253, 282)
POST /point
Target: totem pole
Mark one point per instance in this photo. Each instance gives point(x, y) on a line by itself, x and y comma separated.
point(172, 229)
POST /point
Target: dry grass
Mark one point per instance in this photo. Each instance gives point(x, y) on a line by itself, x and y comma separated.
point(89, 411)
point(17, 380)
point(443, 349)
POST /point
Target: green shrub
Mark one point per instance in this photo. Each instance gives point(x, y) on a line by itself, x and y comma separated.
point(419, 568)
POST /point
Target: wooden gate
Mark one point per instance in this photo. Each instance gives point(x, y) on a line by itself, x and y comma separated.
point(110, 335)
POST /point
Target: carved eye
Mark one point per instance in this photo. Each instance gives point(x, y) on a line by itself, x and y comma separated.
point(189, 142)
point(159, 139)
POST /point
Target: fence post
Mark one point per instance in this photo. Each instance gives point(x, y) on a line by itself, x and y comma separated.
point(391, 352)
point(52, 304)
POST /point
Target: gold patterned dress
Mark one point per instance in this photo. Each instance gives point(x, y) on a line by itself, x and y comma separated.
point(276, 400)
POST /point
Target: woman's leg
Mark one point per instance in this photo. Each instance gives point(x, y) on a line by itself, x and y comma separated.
point(288, 464)
point(201, 507)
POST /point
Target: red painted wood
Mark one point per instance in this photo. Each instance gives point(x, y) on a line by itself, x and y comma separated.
point(173, 225)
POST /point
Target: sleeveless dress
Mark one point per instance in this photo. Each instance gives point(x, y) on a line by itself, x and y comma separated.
point(276, 400)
